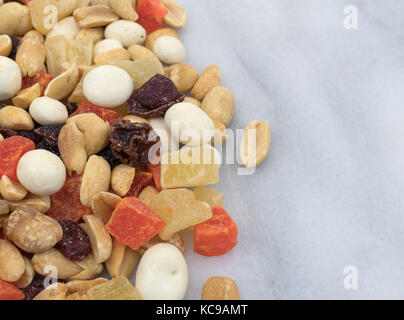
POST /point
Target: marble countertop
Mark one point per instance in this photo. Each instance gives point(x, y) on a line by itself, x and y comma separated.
point(330, 193)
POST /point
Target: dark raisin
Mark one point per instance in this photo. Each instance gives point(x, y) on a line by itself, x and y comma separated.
point(7, 133)
point(47, 145)
point(49, 132)
point(107, 154)
point(35, 287)
point(71, 107)
point(154, 98)
point(75, 244)
point(30, 134)
point(15, 45)
point(131, 142)
point(3, 105)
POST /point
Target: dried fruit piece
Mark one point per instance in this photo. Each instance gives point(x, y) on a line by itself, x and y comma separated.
point(8, 291)
point(116, 289)
point(216, 236)
point(180, 210)
point(66, 204)
point(154, 98)
point(15, 42)
point(35, 287)
point(140, 181)
point(75, 244)
point(220, 288)
point(210, 195)
point(151, 14)
point(107, 154)
point(133, 223)
point(175, 240)
point(131, 142)
point(104, 113)
point(11, 150)
point(155, 170)
point(42, 78)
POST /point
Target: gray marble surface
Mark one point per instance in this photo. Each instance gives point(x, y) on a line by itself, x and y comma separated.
point(330, 194)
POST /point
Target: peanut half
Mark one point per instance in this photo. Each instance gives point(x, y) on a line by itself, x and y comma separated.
point(15, 118)
point(5, 45)
point(111, 56)
point(94, 16)
point(255, 143)
point(27, 276)
point(12, 265)
point(219, 104)
point(61, 86)
point(31, 57)
point(122, 261)
point(43, 15)
point(152, 37)
point(40, 203)
point(176, 16)
point(55, 291)
point(90, 268)
point(209, 79)
point(183, 75)
point(101, 242)
point(220, 288)
point(24, 98)
point(11, 190)
point(103, 204)
point(14, 19)
point(125, 9)
point(122, 178)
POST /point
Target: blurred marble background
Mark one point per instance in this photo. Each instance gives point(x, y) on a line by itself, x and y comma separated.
point(330, 194)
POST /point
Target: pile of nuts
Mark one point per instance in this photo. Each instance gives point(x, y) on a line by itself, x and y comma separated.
point(96, 101)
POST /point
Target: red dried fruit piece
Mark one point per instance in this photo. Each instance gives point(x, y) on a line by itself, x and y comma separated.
point(131, 142)
point(216, 236)
point(140, 181)
point(42, 78)
point(155, 170)
point(134, 223)
point(104, 113)
point(75, 244)
point(66, 204)
point(11, 151)
point(151, 14)
point(8, 291)
point(154, 98)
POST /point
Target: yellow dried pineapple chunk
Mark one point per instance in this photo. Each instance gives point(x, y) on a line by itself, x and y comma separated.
point(213, 197)
point(180, 210)
point(189, 167)
point(116, 289)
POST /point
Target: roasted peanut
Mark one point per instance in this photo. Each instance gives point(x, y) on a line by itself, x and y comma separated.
point(52, 257)
point(219, 104)
point(148, 194)
point(255, 143)
point(27, 276)
point(122, 178)
point(96, 131)
point(31, 57)
point(93, 34)
point(176, 16)
point(12, 264)
point(40, 203)
point(103, 204)
point(12, 190)
point(56, 55)
point(72, 147)
point(183, 75)
point(137, 51)
point(193, 101)
point(32, 230)
point(209, 79)
point(43, 15)
point(94, 16)
point(152, 37)
point(24, 98)
point(34, 35)
point(5, 45)
point(4, 208)
point(90, 268)
point(220, 288)
point(15, 118)
point(55, 291)
point(61, 86)
point(122, 261)
point(65, 8)
point(220, 133)
point(101, 242)
point(77, 95)
point(81, 286)
point(113, 55)
point(125, 9)
point(14, 19)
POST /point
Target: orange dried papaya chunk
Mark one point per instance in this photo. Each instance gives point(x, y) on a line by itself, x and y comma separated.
point(9, 291)
point(155, 170)
point(42, 78)
point(217, 235)
point(11, 151)
point(134, 223)
point(140, 181)
point(151, 14)
point(104, 113)
point(66, 204)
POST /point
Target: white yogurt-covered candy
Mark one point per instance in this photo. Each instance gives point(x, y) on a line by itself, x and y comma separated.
point(41, 172)
point(168, 144)
point(48, 111)
point(162, 273)
point(127, 32)
point(107, 86)
point(10, 78)
point(106, 45)
point(189, 124)
point(169, 49)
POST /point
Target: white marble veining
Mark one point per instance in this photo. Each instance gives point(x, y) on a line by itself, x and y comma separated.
point(330, 194)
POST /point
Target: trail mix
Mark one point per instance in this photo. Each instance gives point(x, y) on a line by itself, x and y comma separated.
point(96, 101)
